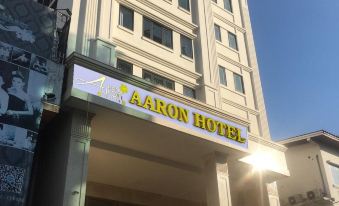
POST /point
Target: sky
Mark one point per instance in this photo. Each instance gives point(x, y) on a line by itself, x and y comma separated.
point(297, 44)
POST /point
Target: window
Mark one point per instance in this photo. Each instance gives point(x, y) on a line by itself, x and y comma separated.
point(232, 38)
point(185, 4)
point(125, 66)
point(228, 5)
point(215, 1)
point(335, 173)
point(217, 32)
point(186, 46)
point(222, 75)
point(238, 83)
point(158, 33)
point(158, 80)
point(126, 17)
point(189, 92)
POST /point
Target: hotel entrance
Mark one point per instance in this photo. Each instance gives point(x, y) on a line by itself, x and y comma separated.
point(132, 161)
point(123, 142)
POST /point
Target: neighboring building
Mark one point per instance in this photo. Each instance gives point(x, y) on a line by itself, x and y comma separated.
point(163, 105)
point(313, 161)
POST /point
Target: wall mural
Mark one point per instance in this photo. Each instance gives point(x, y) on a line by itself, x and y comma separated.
point(27, 32)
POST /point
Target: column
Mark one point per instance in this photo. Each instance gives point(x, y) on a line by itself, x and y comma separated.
point(77, 163)
point(217, 181)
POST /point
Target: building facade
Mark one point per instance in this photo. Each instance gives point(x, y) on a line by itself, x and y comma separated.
point(313, 160)
point(162, 105)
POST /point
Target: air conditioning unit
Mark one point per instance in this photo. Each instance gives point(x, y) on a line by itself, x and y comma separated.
point(295, 199)
point(314, 194)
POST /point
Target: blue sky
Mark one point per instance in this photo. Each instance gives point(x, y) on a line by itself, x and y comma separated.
point(297, 43)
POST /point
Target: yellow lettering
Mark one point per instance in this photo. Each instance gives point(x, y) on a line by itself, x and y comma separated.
point(183, 115)
point(161, 107)
point(221, 128)
point(231, 132)
point(199, 121)
point(211, 125)
point(149, 104)
point(239, 138)
point(135, 99)
point(172, 111)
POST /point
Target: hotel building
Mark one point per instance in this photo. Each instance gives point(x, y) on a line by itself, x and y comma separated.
point(163, 105)
point(313, 160)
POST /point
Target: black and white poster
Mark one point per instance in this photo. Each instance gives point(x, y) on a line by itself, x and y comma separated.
point(27, 74)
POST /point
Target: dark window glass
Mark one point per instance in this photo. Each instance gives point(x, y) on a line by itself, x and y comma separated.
point(238, 83)
point(157, 33)
point(158, 80)
point(228, 5)
point(185, 4)
point(147, 28)
point(232, 38)
point(222, 75)
point(186, 46)
point(217, 32)
point(126, 17)
point(125, 66)
point(189, 92)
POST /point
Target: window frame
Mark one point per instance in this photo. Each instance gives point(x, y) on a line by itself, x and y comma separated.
point(334, 167)
point(190, 55)
point(186, 88)
point(231, 6)
point(121, 19)
point(217, 28)
point(221, 68)
point(124, 69)
point(242, 83)
point(152, 27)
point(154, 77)
point(236, 40)
point(183, 7)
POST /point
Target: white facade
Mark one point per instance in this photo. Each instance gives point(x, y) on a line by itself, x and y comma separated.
point(313, 160)
point(210, 173)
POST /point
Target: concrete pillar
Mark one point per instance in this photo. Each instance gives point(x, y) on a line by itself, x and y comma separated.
point(217, 181)
point(255, 194)
point(77, 162)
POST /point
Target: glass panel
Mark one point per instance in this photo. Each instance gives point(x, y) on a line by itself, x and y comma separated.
point(189, 92)
point(167, 37)
point(185, 4)
point(239, 85)
point(158, 80)
point(228, 5)
point(232, 40)
point(217, 32)
point(147, 76)
point(157, 33)
point(125, 66)
point(126, 17)
point(335, 174)
point(222, 75)
point(147, 28)
point(186, 46)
